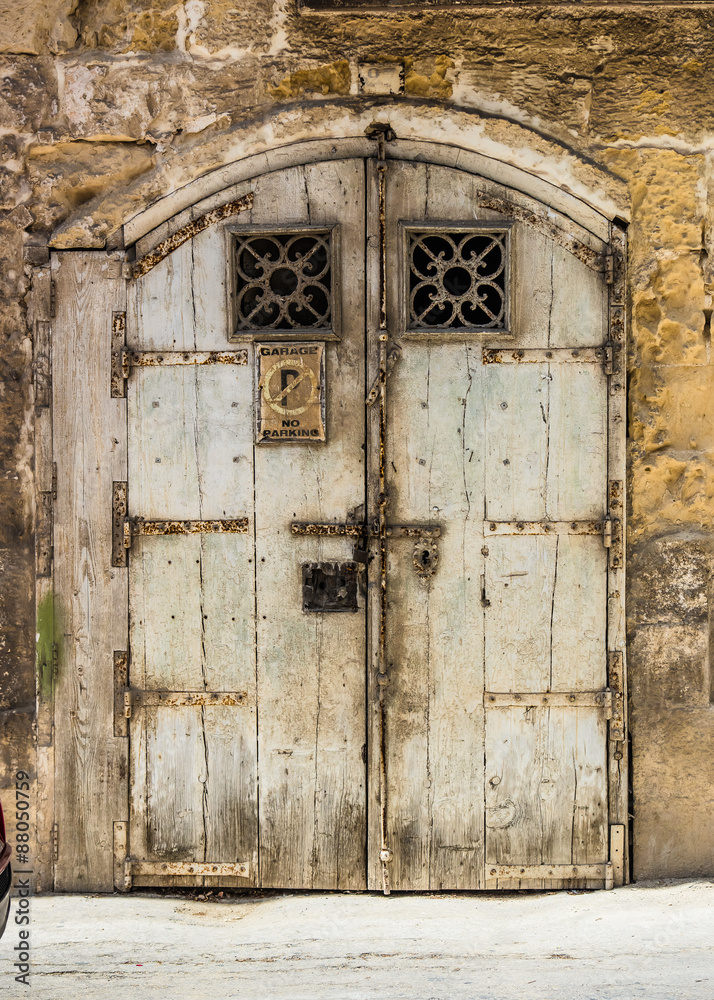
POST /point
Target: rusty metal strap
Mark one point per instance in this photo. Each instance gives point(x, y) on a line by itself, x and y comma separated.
point(134, 526)
point(187, 232)
point(555, 355)
point(155, 359)
point(593, 259)
point(184, 699)
point(545, 527)
point(550, 699)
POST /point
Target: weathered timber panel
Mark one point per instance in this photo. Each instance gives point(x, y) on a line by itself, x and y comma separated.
point(311, 670)
point(89, 432)
point(192, 596)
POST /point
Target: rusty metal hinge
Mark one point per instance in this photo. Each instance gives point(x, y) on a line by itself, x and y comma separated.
point(118, 378)
point(609, 267)
point(119, 524)
point(127, 703)
point(43, 363)
point(607, 532)
point(612, 363)
point(123, 360)
point(615, 499)
point(55, 841)
point(615, 665)
point(53, 298)
point(44, 535)
point(380, 132)
point(121, 683)
point(393, 356)
point(608, 361)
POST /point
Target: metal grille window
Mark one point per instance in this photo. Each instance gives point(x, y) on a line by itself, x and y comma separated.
point(457, 279)
point(283, 280)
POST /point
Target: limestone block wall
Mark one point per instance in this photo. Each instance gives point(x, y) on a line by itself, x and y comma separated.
point(107, 105)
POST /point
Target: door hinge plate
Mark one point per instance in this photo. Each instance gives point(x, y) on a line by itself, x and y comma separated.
point(616, 685)
point(43, 363)
point(119, 523)
point(615, 495)
point(121, 682)
point(44, 534)
point(118, 377)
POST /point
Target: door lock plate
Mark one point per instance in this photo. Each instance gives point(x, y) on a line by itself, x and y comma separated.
point(329, 586)
point(426, 557)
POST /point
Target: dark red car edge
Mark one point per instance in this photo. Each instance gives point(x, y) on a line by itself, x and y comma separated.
point(5, 875)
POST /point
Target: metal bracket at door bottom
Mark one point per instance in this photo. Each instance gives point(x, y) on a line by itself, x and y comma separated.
point(132, 869)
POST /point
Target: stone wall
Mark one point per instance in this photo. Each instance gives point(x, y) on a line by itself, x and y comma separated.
point(106, 105)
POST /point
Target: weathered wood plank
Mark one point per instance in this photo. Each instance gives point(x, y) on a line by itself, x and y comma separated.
point(162, 311)
point(578, 317)
point(576, 486)
point(546, 791)
point(520, 575)
point(617, 428)
point(90, 597)
point(545, 626)
point(435, 628)
point(193, 607)
point(177, 771)
point(311, 679)
point(515, 440)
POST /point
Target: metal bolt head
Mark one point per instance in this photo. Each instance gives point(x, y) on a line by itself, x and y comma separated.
point(385, 856)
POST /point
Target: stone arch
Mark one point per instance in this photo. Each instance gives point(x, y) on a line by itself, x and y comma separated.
point(513, 154)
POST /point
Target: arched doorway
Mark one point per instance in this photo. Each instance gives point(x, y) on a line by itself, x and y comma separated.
point(373, 475)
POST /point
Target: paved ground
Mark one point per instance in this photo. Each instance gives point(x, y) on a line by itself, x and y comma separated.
point(648, 941)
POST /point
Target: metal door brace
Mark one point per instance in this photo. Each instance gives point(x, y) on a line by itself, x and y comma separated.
point(383, 133)
point(123, 360)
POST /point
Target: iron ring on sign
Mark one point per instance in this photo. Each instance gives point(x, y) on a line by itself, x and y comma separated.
point(274, 401)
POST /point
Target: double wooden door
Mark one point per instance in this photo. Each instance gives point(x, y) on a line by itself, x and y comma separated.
point(379, 658)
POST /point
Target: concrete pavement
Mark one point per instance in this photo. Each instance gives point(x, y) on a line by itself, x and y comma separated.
point(645, 942)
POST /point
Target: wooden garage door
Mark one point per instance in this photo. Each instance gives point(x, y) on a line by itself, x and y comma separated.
point(378, 659)
point(496, 711)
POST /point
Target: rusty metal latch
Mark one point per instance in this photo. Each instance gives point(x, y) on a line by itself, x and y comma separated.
point(358, 530)
point(607, 532)
point(393, 356)
point(426, 552)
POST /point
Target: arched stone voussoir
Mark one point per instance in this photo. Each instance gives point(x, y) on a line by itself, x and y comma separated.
point(192, 170)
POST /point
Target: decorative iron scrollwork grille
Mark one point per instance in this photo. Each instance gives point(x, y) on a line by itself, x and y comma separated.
point(283, 280)
point(457, 279)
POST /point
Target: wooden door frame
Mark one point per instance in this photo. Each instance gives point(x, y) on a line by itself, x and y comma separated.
point(77, 302)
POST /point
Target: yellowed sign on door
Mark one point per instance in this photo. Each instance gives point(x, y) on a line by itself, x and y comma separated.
point(291, 392)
